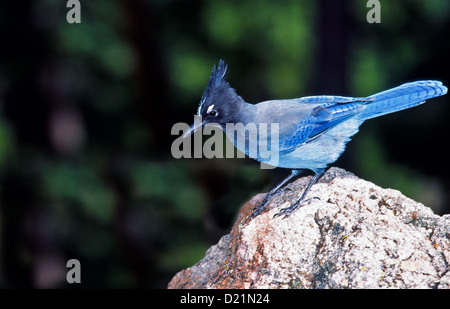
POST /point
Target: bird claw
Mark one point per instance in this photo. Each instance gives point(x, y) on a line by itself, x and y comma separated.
point(257, 209)
point(289, 210)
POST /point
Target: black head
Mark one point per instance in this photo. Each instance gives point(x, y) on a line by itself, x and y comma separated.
point(220, 103)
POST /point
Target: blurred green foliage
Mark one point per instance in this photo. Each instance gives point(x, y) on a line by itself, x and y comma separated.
point(85, 164)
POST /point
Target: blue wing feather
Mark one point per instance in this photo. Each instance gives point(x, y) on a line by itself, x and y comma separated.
point(323, 117)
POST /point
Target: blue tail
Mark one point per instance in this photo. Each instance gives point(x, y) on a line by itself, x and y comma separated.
point(401, 97)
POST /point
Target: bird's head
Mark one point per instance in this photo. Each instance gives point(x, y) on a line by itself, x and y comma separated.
point(219, 104)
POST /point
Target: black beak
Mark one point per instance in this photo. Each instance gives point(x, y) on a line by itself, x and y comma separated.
point(194, 127)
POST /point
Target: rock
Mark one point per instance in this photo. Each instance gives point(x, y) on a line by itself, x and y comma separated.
point(354, 235)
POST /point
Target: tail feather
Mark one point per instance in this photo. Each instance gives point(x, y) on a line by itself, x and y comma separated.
point(401, 97)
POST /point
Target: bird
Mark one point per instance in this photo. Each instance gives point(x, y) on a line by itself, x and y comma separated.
point(312, 131)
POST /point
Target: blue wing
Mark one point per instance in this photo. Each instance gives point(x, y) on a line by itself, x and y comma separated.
point(323, 117)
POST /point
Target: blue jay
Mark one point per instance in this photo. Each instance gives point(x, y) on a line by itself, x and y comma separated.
point(312, 131)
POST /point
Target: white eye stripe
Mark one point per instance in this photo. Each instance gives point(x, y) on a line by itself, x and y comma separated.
point(210, 108)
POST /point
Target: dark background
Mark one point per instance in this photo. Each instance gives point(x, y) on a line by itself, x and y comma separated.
point(86, 112)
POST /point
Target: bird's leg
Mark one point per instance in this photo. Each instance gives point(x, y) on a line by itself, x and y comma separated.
point(289, 210)
point(272, 192)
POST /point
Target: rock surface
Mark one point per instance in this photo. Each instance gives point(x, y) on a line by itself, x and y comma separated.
point(355, 235)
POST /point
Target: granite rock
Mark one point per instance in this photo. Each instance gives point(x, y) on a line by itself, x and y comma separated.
point(354, 234)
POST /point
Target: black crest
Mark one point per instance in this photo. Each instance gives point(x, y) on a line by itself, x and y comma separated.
point(216, 79)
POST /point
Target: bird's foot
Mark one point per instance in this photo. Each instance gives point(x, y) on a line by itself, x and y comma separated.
point(257, 209)
point(289, 210)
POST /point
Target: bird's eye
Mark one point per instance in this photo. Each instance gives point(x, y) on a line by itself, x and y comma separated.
point(212, 113)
